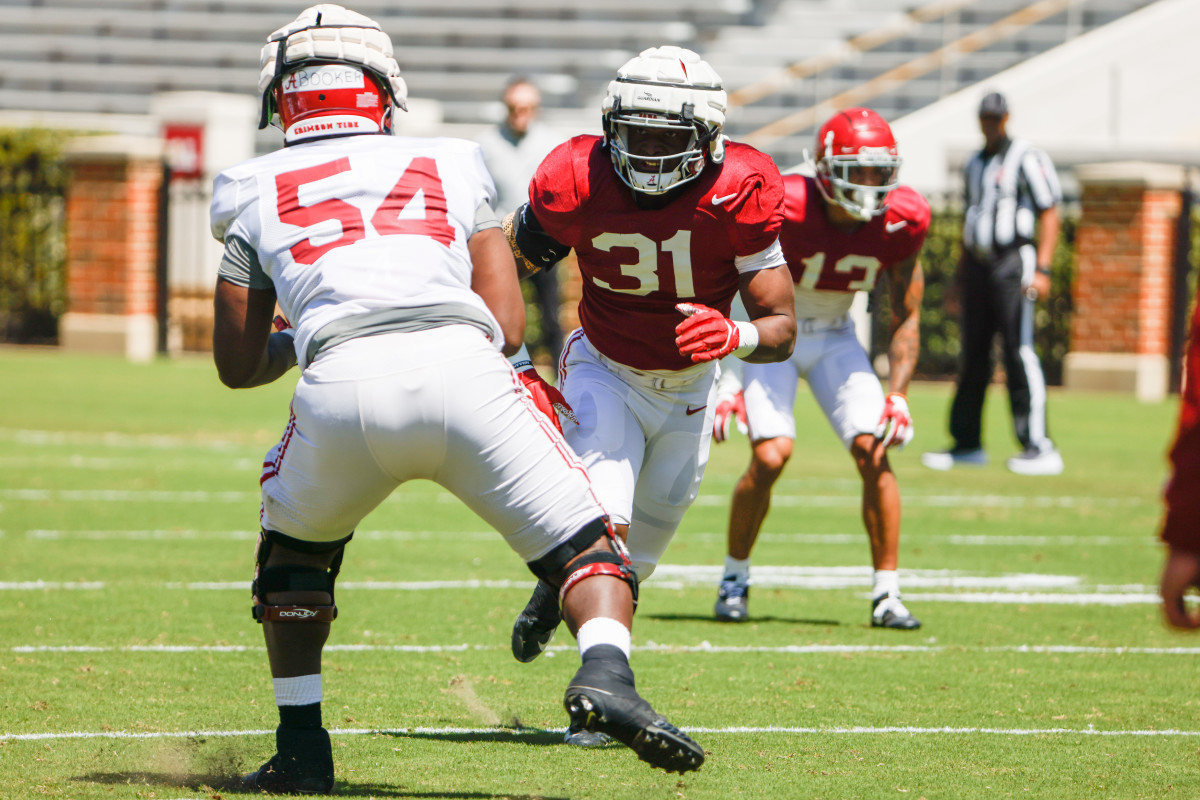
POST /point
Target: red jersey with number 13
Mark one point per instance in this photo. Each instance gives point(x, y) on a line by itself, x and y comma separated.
point(828, 264)
point(636, 262)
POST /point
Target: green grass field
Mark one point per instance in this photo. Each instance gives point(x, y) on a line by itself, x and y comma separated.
point(130, 667)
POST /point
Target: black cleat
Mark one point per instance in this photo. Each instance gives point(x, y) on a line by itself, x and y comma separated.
point(535, 626)
point(887, 611)
point(602, 697)
point(582, 737)
point(307, 767)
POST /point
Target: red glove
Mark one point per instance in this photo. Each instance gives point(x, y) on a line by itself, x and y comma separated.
point(281, 324)
point(548, 400)
point(706, 334)
point(729, 408)
point(895, 427)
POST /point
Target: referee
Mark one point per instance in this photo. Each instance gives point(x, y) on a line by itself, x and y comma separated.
point(1008, 240)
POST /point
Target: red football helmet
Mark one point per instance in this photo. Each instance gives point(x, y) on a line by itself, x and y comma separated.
point(856, 162)
point(329, 72)
point(331, 100)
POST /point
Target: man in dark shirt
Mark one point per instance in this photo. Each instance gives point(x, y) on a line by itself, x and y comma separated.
point(1008, 241)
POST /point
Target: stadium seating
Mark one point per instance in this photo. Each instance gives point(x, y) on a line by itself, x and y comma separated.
point(112, 56)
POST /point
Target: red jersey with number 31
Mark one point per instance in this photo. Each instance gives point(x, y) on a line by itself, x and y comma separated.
point(352, 225)
point(638, 262)
point(829, 265)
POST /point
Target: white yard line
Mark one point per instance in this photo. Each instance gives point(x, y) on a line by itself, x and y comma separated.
point(114, 439)
point(793, 501)
point(59, 534)
point(1022, 588)
point(856, 730)
point(648, 647)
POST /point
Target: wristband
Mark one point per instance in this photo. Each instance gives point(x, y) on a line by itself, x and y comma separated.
point(747, 338)
point(1043, 270)
point(520, 360)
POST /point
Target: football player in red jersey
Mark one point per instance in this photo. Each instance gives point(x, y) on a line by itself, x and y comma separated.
point(842, 230)
point(1181, 570)
point(669, 221)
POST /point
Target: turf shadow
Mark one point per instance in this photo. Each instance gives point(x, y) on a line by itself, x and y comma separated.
point(536, 737)
point(232, 785)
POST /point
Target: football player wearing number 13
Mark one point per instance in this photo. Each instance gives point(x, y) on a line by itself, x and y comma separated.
point(842, 230)
point(401, 308)
point(669, 221)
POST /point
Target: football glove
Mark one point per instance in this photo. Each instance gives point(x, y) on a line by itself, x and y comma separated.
point(730, 408)
point(706, 334)
point(895, 428)
point(548, 400)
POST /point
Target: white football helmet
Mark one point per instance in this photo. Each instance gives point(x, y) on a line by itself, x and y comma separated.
point(328, 34)
point(668, 88)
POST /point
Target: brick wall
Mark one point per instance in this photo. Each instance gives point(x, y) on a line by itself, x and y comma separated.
point(1120, 332)
point(112, 245)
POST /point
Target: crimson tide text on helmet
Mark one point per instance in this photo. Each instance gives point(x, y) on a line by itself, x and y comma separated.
point(665, 88)
point(852, 146)
point(329, 72)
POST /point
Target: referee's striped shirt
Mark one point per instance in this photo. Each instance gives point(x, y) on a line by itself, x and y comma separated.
point(1006, 192)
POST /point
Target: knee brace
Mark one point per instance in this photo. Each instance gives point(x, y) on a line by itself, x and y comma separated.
point(294, 578)
point(553, 568)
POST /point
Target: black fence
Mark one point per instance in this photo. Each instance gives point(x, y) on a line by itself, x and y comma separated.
point(33, 182)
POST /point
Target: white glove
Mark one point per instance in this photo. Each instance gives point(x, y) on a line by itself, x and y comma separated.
point(895, 428)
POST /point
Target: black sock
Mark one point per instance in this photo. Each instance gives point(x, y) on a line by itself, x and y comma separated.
point(605, 652)
point(304, 717)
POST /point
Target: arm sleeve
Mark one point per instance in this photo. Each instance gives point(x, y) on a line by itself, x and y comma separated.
point(240, 266)
point(764, 259)
point(485, 217)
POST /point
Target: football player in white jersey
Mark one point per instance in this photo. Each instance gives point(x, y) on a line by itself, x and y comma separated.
point(843, 229)
point(386, 255)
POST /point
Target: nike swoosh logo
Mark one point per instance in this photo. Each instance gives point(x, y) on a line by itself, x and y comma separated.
point(718, 200)
point(689, 410)
point(892, 227)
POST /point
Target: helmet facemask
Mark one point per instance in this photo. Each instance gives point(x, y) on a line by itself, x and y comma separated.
point(655, 174)
point(844, 180)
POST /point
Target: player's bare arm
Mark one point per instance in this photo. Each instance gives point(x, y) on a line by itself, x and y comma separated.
point(769, 297)
point(906, 290)
point(494, 278)
point(246, 353)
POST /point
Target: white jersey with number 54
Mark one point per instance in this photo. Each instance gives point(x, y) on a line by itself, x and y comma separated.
point(359, 228)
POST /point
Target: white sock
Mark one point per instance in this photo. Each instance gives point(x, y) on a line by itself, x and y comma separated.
point(603, 630)
point(738, 568)
point(887, 581)
point(302, 691)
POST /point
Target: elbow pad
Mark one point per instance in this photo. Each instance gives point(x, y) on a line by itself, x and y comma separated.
point(533, 248)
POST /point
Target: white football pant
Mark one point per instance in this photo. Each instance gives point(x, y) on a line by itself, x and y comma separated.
point(644, 436)
point(440, 404)
point(839, 374)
